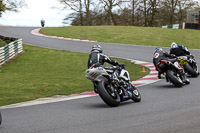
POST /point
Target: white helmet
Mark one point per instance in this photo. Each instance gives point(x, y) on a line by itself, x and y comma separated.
point(174, 45)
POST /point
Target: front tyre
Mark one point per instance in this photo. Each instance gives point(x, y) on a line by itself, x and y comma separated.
point(107, 95)
point(136, 94)
point(174, 79)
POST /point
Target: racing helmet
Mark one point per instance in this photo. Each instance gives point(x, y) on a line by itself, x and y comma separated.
point(174, 45)
point(158, 49)
point(98, 48)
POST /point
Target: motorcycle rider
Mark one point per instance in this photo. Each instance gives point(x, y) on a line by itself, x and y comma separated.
point(179, 50)
point(159, 55)
point(42, 22)
point(97, 58)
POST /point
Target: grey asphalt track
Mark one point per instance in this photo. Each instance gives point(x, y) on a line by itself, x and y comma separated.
point(163, 109)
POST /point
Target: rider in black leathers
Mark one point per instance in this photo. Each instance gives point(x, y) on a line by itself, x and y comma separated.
point(159, 55)
point(179, 50)
point(97, 58)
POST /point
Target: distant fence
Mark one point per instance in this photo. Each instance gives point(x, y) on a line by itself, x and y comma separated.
point(174, 26)
point(11, 50)
point(184, 26)
point(192, 26)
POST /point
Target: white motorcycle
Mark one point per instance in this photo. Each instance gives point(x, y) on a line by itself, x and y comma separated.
point(113, 84)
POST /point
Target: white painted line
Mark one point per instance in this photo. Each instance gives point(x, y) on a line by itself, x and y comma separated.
point(44, 101)
point(36, 32)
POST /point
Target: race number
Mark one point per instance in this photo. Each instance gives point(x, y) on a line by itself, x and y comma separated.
point(156, 55)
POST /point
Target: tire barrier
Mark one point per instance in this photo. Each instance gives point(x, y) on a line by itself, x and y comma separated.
point(11, 50)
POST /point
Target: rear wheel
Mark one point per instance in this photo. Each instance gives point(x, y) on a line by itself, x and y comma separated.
point(191, 70)
point(174, 79)
point(108, 94)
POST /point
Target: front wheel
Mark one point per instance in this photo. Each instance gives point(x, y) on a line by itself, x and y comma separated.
point(174, 79)
point(136, 94)
point(108, 94)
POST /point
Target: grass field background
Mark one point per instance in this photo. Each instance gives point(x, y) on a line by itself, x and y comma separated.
point(42, 72)
point(129, 35)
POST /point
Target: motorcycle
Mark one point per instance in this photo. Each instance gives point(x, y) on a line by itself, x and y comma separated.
point(190, 65)
point(113, 84)
point(173, 71)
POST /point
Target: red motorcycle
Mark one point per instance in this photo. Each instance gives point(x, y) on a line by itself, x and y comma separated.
point(173, 71)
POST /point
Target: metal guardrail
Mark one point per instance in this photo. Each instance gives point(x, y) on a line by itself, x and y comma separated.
point(10, 51)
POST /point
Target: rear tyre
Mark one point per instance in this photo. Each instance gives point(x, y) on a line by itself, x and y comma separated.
point(190, 70)
point(110, 98)
point(173, 79)
point(136, 94)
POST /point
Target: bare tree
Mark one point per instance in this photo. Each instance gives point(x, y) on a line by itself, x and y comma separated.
point(108, 7)
point(183, 6)
point(153, 10)
point(130, 12)
point(170, 6)
point(81, 8)
point(75, 5)
point(134, 5)
point(10, 5)
point(88, 14)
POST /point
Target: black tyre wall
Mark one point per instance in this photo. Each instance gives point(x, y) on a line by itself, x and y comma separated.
point(190, 70)
point(105, 96)
point(173, 79)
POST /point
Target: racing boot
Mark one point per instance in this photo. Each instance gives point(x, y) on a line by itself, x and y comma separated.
point(161, 75)
point(185, 79)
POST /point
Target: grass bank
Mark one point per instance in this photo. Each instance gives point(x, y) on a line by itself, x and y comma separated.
point(129, 35)
point(42, 72)
point(2, 43)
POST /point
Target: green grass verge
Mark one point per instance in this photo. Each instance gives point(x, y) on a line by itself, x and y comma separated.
point(2, 43)
point(129, 35)
point(41, 72)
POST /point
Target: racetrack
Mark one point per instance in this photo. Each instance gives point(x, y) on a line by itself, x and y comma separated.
point(163, 108)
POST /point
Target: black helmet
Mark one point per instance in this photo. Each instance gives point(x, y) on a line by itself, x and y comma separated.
point(158, 49)
point(98, 48)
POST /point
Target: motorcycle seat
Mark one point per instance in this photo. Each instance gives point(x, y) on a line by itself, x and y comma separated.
point(172, 60)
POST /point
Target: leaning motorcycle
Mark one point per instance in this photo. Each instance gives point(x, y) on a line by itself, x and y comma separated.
point(190, 65)
point(113, 84)
point(173, 71)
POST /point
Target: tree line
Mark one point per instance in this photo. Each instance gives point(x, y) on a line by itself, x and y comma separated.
point(127, 12)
